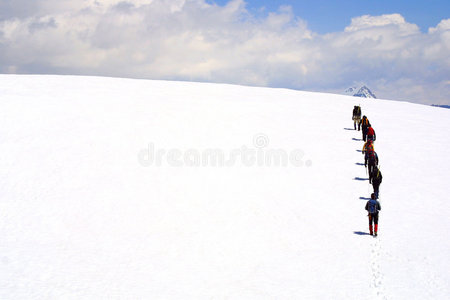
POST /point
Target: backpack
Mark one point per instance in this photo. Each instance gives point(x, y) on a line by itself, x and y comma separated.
point(372, 206)
point(356, 112)
point(376, 176)
point(375, 173)
point(372, 156)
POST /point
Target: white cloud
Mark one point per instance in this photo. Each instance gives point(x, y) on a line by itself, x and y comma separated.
point(444, 25)
point(194, 40)
point(371, 22)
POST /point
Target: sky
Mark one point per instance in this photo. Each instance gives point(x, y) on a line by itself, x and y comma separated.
point(324, 16)
point(399, 49)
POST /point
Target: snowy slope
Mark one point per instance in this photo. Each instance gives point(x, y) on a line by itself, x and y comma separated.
point(84, 214)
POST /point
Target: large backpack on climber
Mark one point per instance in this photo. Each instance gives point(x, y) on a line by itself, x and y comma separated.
point(372, 157)
point(356, 112)
point(372, 206)
point(368, 146)
point(376, 177)
point(365, 121)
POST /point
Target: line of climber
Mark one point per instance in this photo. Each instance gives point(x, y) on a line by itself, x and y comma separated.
point(370, 160)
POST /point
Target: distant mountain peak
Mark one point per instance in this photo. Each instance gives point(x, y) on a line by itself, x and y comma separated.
point(363, 92)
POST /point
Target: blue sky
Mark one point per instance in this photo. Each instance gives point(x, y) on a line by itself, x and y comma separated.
point(324, 16)
point(399, 49)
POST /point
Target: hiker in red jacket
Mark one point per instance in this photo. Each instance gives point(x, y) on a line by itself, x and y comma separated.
point(371, 134)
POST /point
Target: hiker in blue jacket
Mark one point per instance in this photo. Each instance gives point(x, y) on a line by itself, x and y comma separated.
point(373, 207)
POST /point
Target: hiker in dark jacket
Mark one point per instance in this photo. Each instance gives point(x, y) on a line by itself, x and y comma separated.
point(370, 158)
point(373, 207)
point(371, 133)
point(356, 117)
point(377, 178)
point(365, 124)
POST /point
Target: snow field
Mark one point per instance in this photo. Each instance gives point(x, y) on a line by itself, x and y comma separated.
point(82, 217)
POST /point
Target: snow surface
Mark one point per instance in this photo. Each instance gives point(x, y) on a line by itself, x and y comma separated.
point(84, 216)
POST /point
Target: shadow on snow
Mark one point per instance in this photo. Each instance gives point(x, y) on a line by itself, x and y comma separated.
point(359, 164)
point(360, 179)
point(349, 129)
point(357, 139)
point(360, 233)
